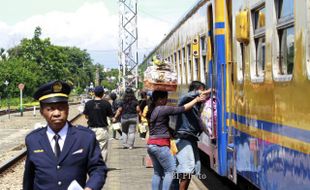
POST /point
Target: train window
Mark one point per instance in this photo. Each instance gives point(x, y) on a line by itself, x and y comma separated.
point(286, 61)
point(196, 66)
point(180, 76)
point(172, 64)
point(285, 9)
point(240, 62)
point(184, 68)
point(258, 62)
point(203, 44)
point(175, 62)
point(284, 64)
point(189, 63)
point(259, 18)
point(203, 67)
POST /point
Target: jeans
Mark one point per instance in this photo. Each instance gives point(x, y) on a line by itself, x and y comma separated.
point(128, 131)
point(164, 167)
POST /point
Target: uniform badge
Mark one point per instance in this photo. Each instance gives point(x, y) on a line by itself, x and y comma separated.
point(57, 87)
point(38, 151)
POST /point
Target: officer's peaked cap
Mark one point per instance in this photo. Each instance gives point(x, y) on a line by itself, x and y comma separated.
point(53, 92)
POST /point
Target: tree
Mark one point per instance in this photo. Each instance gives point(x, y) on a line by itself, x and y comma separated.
point(51, 61)
point(110, 79)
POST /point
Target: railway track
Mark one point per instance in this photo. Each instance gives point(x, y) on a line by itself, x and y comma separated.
point(13, 168)
point(11, 111)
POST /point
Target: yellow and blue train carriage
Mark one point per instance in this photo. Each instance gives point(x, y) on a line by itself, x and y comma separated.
point(256, 54)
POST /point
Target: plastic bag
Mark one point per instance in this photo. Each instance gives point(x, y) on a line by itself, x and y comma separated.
point(206, 117)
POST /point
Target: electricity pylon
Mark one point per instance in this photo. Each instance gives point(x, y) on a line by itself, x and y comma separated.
point(128, 44)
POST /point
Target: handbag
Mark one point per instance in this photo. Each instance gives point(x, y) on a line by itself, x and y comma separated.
point(116, 126)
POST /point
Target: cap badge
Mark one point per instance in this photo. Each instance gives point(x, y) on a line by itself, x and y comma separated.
point(57, 87)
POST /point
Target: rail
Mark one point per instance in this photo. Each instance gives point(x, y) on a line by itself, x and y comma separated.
point(6, 165)
point(5, 112)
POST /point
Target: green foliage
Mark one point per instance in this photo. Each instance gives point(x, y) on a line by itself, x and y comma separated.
point(36, 61)
point(110, 79)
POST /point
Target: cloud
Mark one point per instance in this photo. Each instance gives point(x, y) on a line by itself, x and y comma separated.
point(90, 27)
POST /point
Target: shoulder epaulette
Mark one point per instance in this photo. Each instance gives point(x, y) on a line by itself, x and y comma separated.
point(36, 130)
point(81, 127)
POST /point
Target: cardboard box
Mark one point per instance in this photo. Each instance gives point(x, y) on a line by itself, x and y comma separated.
point(163, 86)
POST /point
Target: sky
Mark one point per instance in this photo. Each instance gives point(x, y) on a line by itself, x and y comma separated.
point(88, 24)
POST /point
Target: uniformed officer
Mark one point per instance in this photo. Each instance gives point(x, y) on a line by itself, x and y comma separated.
point(60, 153)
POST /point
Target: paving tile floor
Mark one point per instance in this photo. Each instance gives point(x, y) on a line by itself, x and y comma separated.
point(127, 168)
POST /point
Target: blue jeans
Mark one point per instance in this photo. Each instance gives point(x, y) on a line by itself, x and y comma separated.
point(128, 131)
point(164, 165)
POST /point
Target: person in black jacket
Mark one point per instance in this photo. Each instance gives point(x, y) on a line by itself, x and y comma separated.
point(128, 111)
point(61, 153)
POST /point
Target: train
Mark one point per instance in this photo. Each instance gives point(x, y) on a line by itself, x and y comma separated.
point(256, 55)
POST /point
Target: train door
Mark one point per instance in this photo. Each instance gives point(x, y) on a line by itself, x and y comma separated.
point(231, 66)
point(212, 83)
point(208, 143)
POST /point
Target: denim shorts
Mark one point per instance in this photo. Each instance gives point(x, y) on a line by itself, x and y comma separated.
point(188, 157)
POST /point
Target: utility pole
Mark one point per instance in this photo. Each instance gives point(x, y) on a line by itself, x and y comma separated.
point(128, 44)
point(97, 77)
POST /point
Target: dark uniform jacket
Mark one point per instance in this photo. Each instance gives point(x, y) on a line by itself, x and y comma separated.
point(80, 156)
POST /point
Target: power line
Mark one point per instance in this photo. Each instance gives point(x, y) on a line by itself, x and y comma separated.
point(116, 50)
point(155, 17)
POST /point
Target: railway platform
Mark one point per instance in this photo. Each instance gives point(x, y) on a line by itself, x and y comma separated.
point(128, 169)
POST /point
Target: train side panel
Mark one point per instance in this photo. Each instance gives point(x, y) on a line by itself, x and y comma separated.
point(270, 119)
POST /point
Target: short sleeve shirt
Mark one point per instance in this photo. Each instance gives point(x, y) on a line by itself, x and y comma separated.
point(97, 112)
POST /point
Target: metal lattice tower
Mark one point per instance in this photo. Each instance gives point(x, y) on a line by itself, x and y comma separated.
point(128, 43)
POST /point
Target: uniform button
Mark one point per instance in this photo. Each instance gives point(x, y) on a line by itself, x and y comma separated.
point(58, 167)
point(59, 183)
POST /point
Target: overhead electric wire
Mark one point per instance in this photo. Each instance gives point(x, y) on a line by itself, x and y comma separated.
point(155, 17)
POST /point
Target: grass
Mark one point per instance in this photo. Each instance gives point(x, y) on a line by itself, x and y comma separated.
point(27, 102)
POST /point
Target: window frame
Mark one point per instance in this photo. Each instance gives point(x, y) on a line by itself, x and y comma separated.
point(204, 70)
point(257, 74)
point(281, 25)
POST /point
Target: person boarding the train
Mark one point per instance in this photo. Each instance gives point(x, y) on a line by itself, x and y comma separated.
point(160, 134)
point(60, 153)
point(188, 128)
